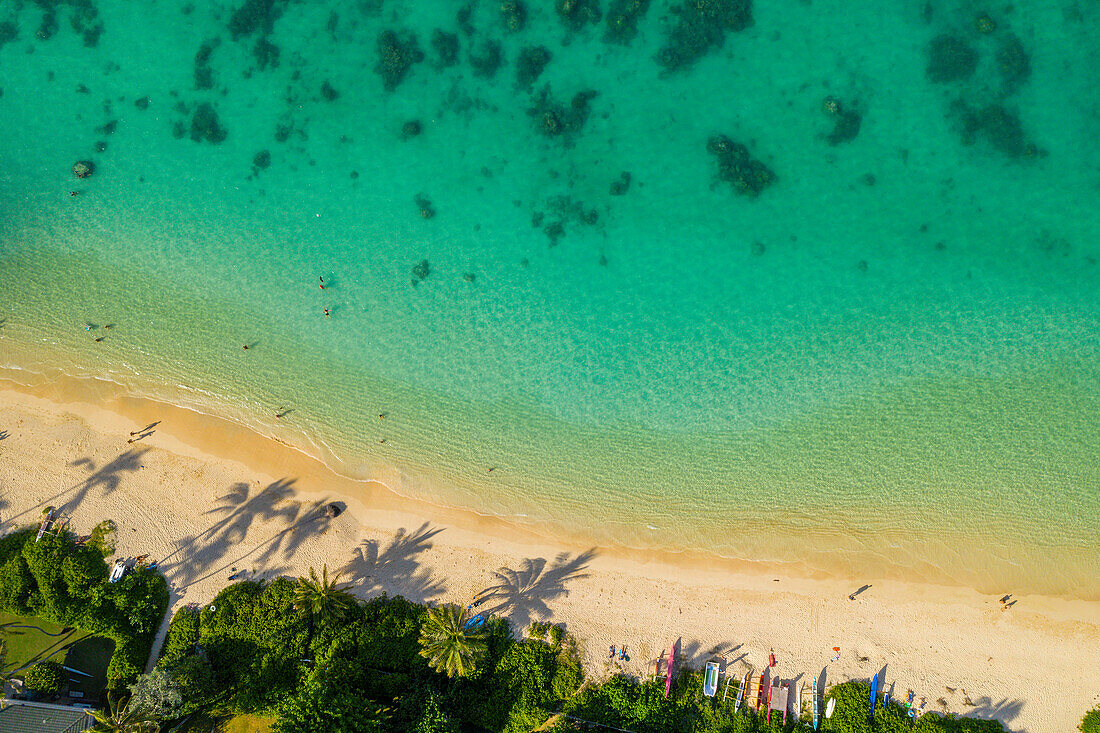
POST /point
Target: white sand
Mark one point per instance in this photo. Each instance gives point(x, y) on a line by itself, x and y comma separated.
point(192, 494)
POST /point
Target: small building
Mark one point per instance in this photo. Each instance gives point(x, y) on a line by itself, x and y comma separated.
point(19, 716)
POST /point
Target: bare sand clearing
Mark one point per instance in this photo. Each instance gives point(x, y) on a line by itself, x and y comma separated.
point(208, 499)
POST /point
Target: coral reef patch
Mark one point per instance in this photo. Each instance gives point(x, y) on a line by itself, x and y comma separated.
point(950, 59)
point(747, 176)
point(556, 120)
point(397, 52)
point(701, 26)
point(530, 65)
point(622, 20)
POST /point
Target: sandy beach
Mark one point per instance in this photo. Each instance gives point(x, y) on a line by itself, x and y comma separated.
point(209, 499)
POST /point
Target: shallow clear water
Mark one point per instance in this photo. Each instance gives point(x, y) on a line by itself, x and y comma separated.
point(886, 362)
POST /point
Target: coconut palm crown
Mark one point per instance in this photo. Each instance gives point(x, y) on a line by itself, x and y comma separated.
point(449, 646)
point(325, 600)
point(116, 718)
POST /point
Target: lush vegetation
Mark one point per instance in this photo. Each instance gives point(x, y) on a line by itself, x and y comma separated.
point(642, 707)
point(392, 666)
point(265, 651)
point(448, 643)
point(45, 678)
point(56, 579)
point(1091, 721)
point(122, 717)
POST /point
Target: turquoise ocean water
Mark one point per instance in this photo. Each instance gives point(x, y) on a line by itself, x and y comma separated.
point(875, 350)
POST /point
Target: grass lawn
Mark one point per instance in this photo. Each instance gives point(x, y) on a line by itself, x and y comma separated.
point(248, 724)
point(28, 640)
point(91, 655)
point(235, 724)
point(24, 646)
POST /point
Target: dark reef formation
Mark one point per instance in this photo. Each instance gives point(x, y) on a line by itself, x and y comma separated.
point(205, 125)
point(846, 121)
point(747, 176)
point(1013, 63)
point(514, 15)
point(575, 14)
point(397, 52)
point(256, 15)
point(622, 185)
point(553, 119)
point(950, 59)
point(328, 92)
point(424, 206)
point(83, 168)
point(266, 54)
point(997, 126)
point(261, 161)
point(701, 25)
point(488, 59)
point(445, 46)
point(530, 65)
point(622, 20)
point(420, 272)
point(204, 75)
point(412, 128)
point(9, 31)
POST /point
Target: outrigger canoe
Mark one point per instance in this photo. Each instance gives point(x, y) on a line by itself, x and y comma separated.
point(741, 692)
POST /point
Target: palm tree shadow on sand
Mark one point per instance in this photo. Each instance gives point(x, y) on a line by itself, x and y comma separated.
point(524, 594)
point(108, 477)
point(1005, 711)
point(203, 555)
point(395, 569)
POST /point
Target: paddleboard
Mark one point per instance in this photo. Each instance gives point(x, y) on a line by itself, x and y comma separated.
point(830, 707)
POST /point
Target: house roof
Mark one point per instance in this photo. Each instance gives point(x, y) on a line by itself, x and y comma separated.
point(23, 718)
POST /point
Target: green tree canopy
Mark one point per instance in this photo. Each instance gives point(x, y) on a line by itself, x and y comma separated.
point(1091, 722)
point(327, 708)
point(158, 693)
point(122, 718)
point(448, 645)
point(45, 678)
point(325, 600)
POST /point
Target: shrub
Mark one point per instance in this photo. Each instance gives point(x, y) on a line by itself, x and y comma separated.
point(102, 538)
point(183, 634)
point(158, 694)
point(63, 582)
point(45, 678)
point(1091, 722)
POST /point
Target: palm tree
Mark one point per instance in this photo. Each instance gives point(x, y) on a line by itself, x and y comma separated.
point(325, 600)
point(449, 646)
point(117, 718)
